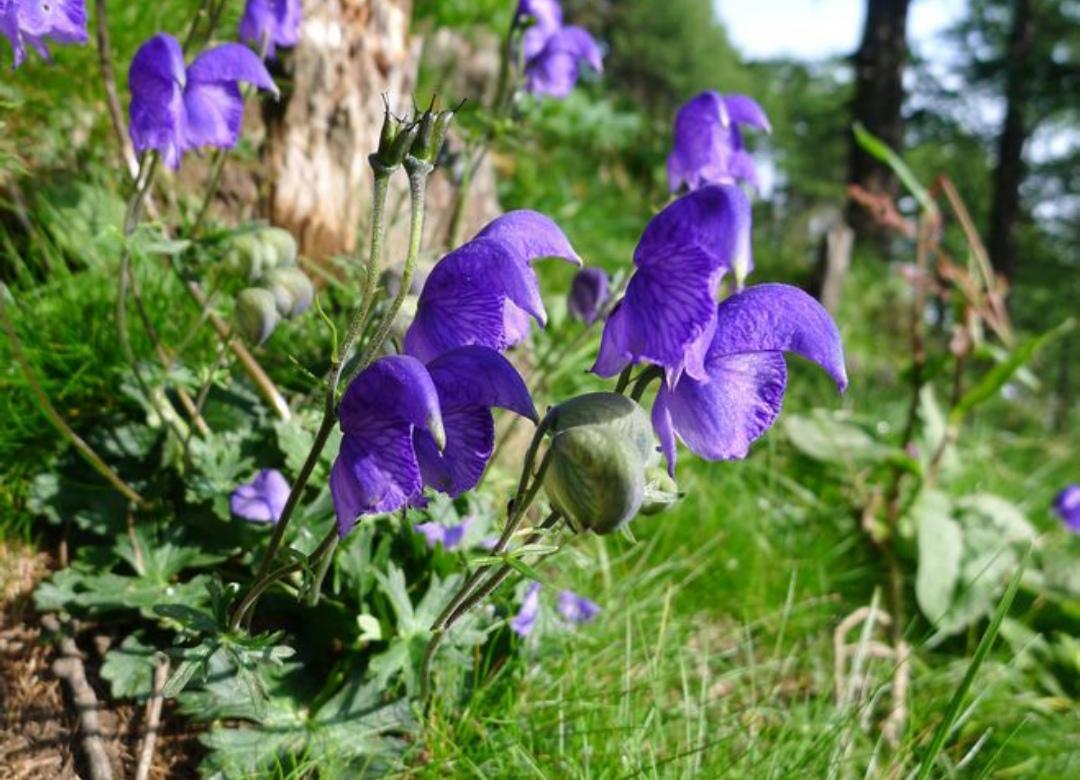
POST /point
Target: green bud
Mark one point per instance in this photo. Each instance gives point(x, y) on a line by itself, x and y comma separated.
point(395, 140)
point(249, 256)
point(661, 491)
point(434, 126)
point(601, 445)
point(280, 246)
point(292, 291)
point(256, 314)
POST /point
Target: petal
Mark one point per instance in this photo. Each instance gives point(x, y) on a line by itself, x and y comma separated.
point(470, 440)
point(478, 376)
point(274, 488)
point(742, 168)
point(718, 419)
point(462, 302)
point(552, 72)
point(525, 620)
point(743, 110)
point(783, 318)
point(9, 28)
point(715, 218)
point(246, 502)
point(230, 63)
point(588, 293)
point(530, 235)
point(393, 389)
point(62, 20)
point(155, 79)
point(545, 19)
point(666, 316)
point(665, 429)
point(213, 113)
point(374, 473)
point(433, 532)
point(580, 43)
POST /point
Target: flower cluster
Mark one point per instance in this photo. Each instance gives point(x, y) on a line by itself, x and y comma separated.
point(267, 24)
point(423, 419)
point(573, 608)
point(708, 146)
point(554, 53)
point(263, 499)
point(31, 22)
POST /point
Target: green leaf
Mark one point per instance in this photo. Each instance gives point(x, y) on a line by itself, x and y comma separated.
point(881, 151)
point(828, 438)
point(523, 568)
point(996, 377)
point(941, 546)
point(129, 668)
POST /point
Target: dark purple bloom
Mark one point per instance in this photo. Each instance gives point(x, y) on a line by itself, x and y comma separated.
point(718, 416)
point(271, 23)
point(263, 499)
point(708, 145)
point(588, 294)
point(525, 620)
point(1067, 507)
point(449, 536)
point(576, 609)
point(407, 426)
point(484, 292)
point(176, 108)
point(25, 22)
point(554, 54)
point(668, 315)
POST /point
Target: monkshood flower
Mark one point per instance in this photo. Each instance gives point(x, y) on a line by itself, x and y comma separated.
point(1067, 507)
point(576, 609)
point(708, 145)
point(484, 292)
point(271, 23)
point(554, 54)
point(407, 425)
point(263, 499)
point(720, 415)
point(31, 22)
point(668, 315)
point(589, 292)
point(175, 108)
point(449, 536)
point(525, 620)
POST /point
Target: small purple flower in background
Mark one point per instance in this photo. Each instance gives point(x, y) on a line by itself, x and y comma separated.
point(708, 146)
point(668, 315)
point(484, 292)
point(263, 499)
point(30, 22)
point(449, 536)
point(1067, 507)
point(720, 415)
point(271, 23)
point(554, 54)
point(588, 294)
point(175, 108)
point(407, 426)
point(576, 609)
point(525, 620)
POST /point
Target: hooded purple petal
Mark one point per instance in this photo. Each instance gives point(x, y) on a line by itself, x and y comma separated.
point(477, 376)
point(589, 292)
point(396, 388)
point(214, 113)
point(31, 22)
point(718, 419)
point(555, 70)
point(525, 620)
point(707, 144)
point(262, 499)
point(714, 218)
point(743, 110)
point(783, 318)
point(576, 609)
point(156, 80)
point(277, 22)
point(545, 18)
point(1067, 507)
point(530, 235)
point(230, 63)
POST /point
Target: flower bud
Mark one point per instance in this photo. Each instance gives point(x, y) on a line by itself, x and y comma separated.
point(249, 256)
point(395, 140)
point(661, 491)
point(280, 246)
point(601, 444)
point(256, 314)
point(588, 293)
point(293, 292)
point(431, 134)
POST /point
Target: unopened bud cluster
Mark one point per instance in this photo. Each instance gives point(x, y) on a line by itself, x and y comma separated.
point(414, 142)
point(267, 257)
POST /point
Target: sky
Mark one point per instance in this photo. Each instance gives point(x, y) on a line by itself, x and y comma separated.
point(812, 29)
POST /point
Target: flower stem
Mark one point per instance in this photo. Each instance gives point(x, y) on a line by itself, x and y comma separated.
point(371, 270)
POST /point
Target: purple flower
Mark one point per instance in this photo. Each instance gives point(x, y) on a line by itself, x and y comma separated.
point(407, 426)
point(450, 537)
point(525, 620)
point(175, 109)
point(719, 415)
point(708, 144)
point(668, 315)
point(32, 21)
point(1067, 507)
point(263, 499)
point(576, 609)
point(554, 54)
point(588, 294)
point(271, 23)
point(484, 292)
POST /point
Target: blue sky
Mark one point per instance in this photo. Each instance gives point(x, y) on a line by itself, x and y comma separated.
point(812, 29)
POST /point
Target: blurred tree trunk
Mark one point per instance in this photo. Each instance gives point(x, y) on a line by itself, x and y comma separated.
point(1009, 173)
point(879, 95)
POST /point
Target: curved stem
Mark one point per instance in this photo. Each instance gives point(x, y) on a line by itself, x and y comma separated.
point(371, 272)
point(624, 379)
point(644, 379)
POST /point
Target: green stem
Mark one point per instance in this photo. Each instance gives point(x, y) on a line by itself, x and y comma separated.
point(323, 567)
point(378, 235)
point(644, 380)
point(624, 379)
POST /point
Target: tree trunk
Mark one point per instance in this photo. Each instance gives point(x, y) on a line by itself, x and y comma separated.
point(879, 93)
point(1009, 173)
